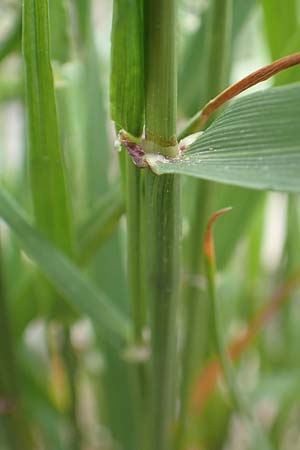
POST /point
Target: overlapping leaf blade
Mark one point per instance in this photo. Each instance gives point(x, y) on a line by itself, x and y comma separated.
point(255, 143)
point(67, 279)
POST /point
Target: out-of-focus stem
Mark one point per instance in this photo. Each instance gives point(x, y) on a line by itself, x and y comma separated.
point(12, 415)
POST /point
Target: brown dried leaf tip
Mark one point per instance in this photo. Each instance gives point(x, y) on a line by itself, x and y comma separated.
point(250, 80)
point(209, 250)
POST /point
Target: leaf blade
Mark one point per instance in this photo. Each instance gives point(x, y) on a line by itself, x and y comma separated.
point(255, 143)
point(52, 208)
point(65, 276)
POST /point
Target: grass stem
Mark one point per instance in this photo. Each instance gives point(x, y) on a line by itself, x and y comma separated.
point(162, 227)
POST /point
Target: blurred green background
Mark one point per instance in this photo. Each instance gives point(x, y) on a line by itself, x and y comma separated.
point(71, 388)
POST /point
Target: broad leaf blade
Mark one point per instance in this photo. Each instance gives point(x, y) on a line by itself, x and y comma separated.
point(255, 143)
point(65, 277)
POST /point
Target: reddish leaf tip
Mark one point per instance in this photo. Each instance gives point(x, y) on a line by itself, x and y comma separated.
point(208, 237)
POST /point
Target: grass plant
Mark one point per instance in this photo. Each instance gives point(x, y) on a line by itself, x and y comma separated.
point(126, 323)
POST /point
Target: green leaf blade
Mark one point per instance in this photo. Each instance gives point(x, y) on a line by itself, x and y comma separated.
point(51, 200)
point(255, 143)
point(65, 276)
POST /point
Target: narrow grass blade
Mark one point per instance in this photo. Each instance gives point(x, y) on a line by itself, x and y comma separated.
point(46, 162)
point(255, 143)
point(65, 277)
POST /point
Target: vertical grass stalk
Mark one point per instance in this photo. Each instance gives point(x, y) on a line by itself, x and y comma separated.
point(162, 215)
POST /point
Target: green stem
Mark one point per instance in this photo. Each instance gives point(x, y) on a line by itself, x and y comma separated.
point(163, 231)
point(11, 411)
point(162, 217)
point(160, 77)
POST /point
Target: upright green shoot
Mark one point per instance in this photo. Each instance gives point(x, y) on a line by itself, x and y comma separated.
point(46, 162)
point(162, 217)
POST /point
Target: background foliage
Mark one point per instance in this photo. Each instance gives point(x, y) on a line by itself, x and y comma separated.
point(67, 381)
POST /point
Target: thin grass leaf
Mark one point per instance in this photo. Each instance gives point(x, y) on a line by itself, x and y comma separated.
point(46, 162)
point(64, 276)
point(255, 143)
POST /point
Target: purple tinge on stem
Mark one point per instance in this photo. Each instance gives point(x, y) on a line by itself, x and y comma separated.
point(182, 148)
point(136, 152)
